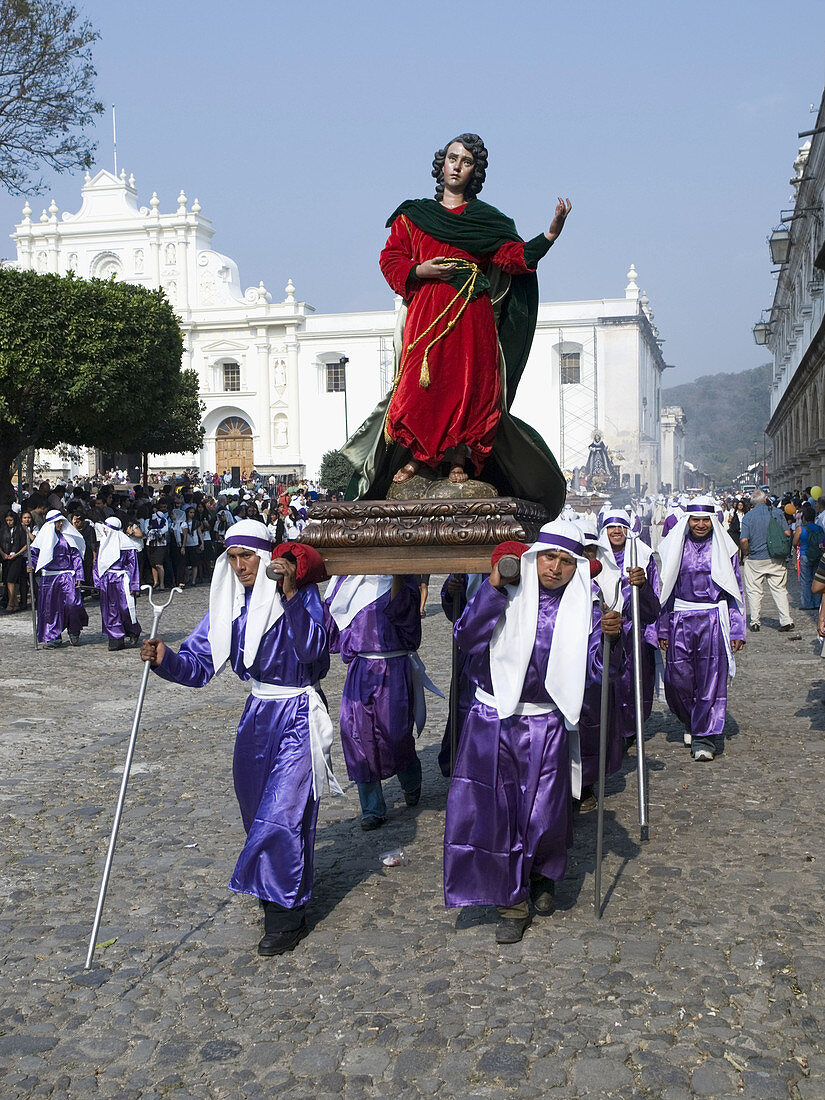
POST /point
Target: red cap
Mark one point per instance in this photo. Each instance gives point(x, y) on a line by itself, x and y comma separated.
point(595, 568)
point(508, 550)
point(310, 564)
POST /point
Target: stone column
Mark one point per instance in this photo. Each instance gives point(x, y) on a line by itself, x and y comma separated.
point(293, 398)
point(264, 400)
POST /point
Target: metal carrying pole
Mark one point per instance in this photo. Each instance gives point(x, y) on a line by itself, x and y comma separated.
point(32, 597)
point(604, 716)
point(157, 611)
point(636, 628)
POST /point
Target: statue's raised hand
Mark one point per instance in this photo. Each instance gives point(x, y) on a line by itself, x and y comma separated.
point(563, 208)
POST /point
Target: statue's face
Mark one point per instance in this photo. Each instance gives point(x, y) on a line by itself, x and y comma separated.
point(458, 166)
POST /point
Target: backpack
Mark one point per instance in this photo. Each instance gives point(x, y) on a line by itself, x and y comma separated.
point(779, 545)
point(813, 547)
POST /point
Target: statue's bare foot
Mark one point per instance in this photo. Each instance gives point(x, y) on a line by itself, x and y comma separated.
point(457, 474)
point(406, 472)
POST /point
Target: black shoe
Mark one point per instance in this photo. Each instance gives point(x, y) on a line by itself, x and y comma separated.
point(412, 798)
point(278, 943)
point(511, 929)
point(115, 644)
point(370, 822)
point(56, 644)
point(786, 628)
point(74, 639)
point(131, 641)
point(754, 628)
point(542, 891)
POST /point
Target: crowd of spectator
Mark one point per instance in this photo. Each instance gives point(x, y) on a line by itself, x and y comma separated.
point(179, 525)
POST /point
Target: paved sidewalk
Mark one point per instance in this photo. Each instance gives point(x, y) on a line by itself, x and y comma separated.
point(704, 978)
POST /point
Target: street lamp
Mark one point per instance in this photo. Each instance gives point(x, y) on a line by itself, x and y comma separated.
point(779, 243)
point(762, 332)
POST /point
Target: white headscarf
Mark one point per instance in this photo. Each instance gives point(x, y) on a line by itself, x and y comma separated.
point(606, 555)
point(353, 595)
point(46, 538)
point(721, 568)
point(226, 596)
point(515, 633)
point(112, 545)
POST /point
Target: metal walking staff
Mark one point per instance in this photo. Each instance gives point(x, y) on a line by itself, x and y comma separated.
point(636, 628)
point(604, 716)
point(157, 611)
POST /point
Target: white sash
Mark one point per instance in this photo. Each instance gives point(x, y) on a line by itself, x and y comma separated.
point(420, 681)
point(55, 572)
point(724, 622)
point(574, 741)
point(320, 730)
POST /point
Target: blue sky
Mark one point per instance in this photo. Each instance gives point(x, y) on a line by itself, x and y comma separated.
point(299, 127)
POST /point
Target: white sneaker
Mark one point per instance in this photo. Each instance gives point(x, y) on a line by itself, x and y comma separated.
point(687, 738)
point(702, 752)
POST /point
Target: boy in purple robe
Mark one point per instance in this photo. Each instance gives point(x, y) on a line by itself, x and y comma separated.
point(702, 624)
point(57, 558)
point(375, 624)
point(531, 648)
point(273, 636)
point(116, 575)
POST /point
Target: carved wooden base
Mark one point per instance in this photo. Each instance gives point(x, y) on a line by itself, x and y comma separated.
point(418, 536)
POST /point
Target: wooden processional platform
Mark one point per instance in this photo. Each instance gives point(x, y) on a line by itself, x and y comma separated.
point(418, 536)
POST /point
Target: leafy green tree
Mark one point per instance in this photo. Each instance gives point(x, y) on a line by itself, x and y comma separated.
point(46, 91)
point(336, 471)
point(90, 362)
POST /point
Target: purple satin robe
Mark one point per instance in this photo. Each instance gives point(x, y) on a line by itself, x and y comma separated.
point(509, 809)
point(466, 689)
point(59, 602)
point(377, 704)
point(272, 765)
point(115, 615)
point(696, 666)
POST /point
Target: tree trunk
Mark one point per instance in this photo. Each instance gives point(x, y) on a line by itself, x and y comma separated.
point(30, 468)
point(146, 468)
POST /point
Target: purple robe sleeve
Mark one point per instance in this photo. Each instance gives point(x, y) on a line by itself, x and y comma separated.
point(305, 618)
point(333, 633)
point(595, 664)
point(447, 599)
point(131, 565)
point(474, 630)
point(405, 615)
point(192, 665)
point(35, 553)
point(737, 619)
point(76, 559)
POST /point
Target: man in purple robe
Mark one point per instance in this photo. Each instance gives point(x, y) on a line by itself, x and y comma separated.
point(374, 622)
point(275, 639)
point(116, 576)
point(531, 648)
point(614, 556)
point(702, 624)
point(57, 559)
point(456, 592)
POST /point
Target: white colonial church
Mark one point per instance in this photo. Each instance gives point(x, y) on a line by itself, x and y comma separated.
point(282, 384)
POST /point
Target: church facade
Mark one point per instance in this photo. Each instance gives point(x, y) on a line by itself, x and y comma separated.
point(282, 384)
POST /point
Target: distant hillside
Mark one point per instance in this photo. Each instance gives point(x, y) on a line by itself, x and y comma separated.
point(726, 414)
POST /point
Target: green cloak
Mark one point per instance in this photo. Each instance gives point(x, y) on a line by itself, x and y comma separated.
point(520, 464)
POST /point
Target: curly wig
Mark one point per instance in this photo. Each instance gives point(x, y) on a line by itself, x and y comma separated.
point(473, 144)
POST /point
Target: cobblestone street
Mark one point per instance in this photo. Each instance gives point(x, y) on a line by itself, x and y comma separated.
point(705, 977)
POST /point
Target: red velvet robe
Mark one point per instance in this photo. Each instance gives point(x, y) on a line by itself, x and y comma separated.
point(462, 403)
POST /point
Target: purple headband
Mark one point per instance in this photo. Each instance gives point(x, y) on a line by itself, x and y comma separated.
point(562, 542)
point(708, 509)
point(616, 519)
point(251, 542)
point(588, 536)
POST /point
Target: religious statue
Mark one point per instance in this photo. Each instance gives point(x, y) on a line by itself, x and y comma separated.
point(601, 473)
point(470, 299)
